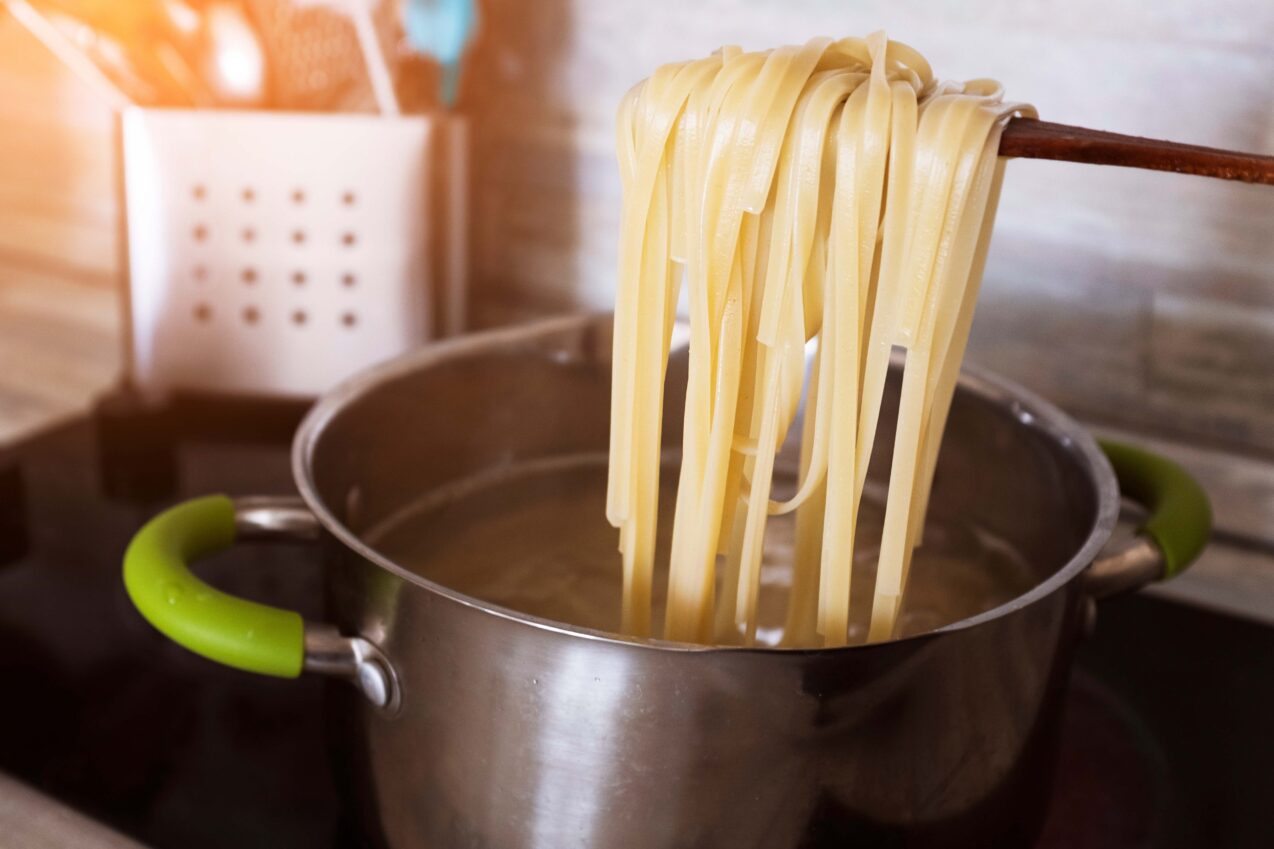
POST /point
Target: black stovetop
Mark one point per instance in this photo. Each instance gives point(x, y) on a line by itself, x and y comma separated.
point(1167, 740)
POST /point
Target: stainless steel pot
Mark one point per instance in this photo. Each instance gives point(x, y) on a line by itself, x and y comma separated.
point(477, 726)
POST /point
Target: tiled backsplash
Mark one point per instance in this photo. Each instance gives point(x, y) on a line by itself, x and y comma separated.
point(1138, 299)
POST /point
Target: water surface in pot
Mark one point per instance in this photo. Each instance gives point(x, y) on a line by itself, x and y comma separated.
point(533, 537)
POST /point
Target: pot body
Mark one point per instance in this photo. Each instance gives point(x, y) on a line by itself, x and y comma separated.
point(513, 733)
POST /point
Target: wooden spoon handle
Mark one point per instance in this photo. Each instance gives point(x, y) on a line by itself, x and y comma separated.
point(1032, 139)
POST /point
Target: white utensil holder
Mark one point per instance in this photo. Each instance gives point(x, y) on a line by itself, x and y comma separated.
point(277, 253)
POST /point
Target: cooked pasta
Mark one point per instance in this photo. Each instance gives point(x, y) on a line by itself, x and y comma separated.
point(833, 194)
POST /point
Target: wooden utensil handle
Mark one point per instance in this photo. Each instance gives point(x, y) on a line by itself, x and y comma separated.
point(1032, 139)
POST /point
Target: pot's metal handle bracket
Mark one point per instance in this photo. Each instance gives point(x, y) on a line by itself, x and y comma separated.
point(1129, 567)
point(1175, 532)
point(273, 518)
point(235, 631)
point(359, 661)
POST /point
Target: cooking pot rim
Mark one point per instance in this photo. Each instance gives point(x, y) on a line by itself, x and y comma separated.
point(1028, 407)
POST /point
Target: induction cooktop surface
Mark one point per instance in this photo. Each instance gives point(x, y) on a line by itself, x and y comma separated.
point(1165, 743)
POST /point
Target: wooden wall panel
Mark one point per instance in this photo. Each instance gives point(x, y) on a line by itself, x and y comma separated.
point(1104, 286)
point(1144, 300)
point(58, 208)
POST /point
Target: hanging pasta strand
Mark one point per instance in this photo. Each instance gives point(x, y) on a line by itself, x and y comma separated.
point(860, 176)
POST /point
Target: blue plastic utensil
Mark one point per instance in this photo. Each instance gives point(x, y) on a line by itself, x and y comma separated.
point(442, 29)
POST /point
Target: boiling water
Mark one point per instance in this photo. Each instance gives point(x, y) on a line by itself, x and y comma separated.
point(534, 538)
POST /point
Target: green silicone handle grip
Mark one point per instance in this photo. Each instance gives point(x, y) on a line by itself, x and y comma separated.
point(234, 631)
point(1180, 519)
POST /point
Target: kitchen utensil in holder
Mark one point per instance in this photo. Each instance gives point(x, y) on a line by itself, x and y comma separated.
point(276, 253)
